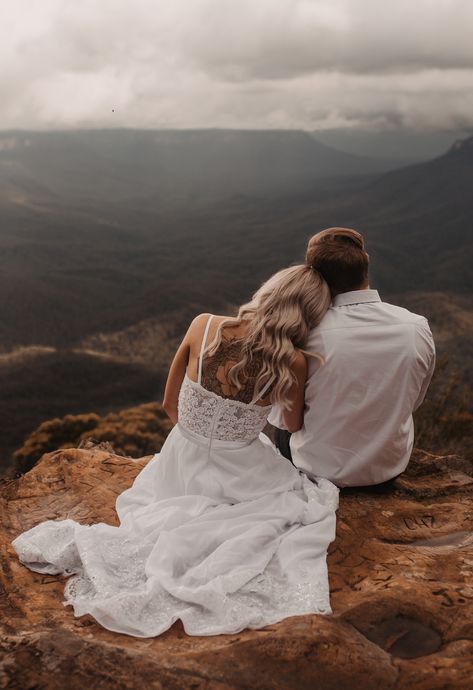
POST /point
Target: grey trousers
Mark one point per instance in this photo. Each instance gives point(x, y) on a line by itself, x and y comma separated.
point(281, 440)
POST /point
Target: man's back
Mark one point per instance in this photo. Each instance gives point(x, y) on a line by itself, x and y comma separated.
point(358, 426)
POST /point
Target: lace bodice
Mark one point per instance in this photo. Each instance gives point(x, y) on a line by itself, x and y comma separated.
point(216, 367)
point(208, 414)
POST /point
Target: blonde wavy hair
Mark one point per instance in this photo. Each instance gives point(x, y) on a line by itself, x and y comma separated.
point(279, 317)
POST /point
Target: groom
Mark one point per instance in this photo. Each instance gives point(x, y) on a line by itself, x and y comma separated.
point(379, 358)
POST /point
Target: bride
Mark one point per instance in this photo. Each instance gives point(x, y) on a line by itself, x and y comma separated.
point(218, 529)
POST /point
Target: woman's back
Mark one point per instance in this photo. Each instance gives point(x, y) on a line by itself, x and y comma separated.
point(210, 406)
point(216, 366)
point(215, 370)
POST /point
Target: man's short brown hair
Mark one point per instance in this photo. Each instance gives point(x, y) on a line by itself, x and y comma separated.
point(339, 255)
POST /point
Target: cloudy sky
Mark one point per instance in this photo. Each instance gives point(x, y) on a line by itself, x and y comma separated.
point(308, 64)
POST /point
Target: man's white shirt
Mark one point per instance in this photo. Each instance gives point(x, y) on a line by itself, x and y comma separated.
point(379, 359)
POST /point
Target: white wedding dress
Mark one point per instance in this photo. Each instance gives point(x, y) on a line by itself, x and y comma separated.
point(218, 530)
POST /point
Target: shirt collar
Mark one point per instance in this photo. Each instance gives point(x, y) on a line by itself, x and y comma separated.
point(345, 299)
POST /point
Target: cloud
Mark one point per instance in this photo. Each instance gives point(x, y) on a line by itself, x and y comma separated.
point(268, 40)
point(251, 63)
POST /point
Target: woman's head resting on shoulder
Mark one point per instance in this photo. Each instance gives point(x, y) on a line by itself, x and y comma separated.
point(292, 301)
point(279, 318)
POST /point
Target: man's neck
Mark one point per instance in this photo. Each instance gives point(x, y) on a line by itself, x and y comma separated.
point(364, 287)
point(352, 297)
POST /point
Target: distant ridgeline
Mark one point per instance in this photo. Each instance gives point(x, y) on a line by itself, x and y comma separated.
point(112, 240)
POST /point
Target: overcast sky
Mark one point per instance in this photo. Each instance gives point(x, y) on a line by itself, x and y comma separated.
point(236, 63)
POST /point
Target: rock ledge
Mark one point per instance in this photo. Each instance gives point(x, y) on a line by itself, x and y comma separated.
point(401, 576)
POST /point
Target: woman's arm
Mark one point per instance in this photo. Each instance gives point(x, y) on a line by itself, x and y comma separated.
point(179, 365)
point(175, 377)
point(294, 418)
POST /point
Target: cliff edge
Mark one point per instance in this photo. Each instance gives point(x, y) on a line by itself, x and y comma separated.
point(401, 577)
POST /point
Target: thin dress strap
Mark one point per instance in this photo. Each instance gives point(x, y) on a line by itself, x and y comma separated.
point(263, 390)
point(202, 348)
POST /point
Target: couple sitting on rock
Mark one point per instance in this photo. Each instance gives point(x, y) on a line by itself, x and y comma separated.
point(222, 529)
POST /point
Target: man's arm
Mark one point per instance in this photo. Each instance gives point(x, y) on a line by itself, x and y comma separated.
point(426, 357)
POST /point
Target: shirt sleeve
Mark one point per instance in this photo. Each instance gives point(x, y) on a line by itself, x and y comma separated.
point(425, 347)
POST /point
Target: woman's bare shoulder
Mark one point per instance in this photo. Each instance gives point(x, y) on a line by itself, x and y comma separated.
point(206, 315)
point(200, 319)
point(199, 323)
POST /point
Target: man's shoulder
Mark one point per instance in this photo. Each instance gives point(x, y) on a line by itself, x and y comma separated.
point(382, 313)
point(403, 314)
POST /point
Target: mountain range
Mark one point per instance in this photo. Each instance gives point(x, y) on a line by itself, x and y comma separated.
point(171, 166)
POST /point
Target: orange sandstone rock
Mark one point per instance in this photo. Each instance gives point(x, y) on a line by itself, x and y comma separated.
point(401, 575)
